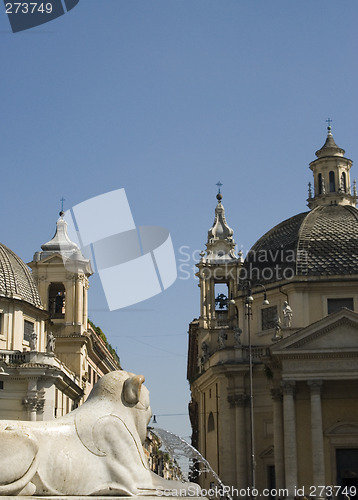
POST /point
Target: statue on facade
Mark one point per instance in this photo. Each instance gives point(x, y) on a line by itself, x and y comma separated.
point(287, 314)
point(278, 331)
point(33, 341)
point(222, 338)
point(51, 342)
point(106, 434)
point(205, 349)
point(237, 335)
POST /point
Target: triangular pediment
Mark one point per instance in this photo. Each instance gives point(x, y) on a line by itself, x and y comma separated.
point(55, 258)
point(336, 332)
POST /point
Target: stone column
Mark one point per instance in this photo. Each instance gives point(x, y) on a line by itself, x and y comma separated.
point(85, 304)
point(70, 304)
point(278, 437)
point(204, 299)
point(201, 286)
point(290, 444)
point(30, 402)
point(317, 433)
point(79, 299)
point(237, 401)
point(211, 301)
point(34, 400)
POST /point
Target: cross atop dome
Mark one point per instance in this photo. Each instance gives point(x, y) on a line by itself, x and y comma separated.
point(329, 148)
point(62, 213)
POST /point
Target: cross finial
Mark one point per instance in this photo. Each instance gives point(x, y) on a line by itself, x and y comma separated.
point(62, 213)
point(329, 121)
point(219, 186)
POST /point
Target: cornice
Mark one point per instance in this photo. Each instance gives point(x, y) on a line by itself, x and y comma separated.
point(317, 354)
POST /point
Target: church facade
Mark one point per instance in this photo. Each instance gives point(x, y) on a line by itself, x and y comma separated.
point(273, 356)
point(50, 354)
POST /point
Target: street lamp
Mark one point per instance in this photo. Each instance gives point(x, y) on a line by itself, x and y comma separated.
point(248, 313)
point(265, 302)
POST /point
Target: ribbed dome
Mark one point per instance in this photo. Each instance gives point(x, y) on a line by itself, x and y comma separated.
point(322, 242)
point(16, 279)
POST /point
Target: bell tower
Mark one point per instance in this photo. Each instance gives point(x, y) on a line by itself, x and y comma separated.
point(61, 273)
point(218, 271)
point(331, 173)
point(215, 343)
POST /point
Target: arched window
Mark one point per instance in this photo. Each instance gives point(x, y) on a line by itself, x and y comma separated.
point(344, 182)
point(319, 183)
point(332, 183)
point(56, 300)
point(211, 423)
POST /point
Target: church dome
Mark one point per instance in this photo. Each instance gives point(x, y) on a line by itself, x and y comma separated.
point(321, 242)
point(16, 279)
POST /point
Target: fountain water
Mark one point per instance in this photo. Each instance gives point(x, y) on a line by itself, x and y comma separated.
point(191, 462)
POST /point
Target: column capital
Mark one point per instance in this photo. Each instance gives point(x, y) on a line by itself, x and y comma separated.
point(276, 394)
point(34, 401)
point(315, 386)
point(34, 404)
point(238, 400)
point(30, 403)
point(288, 387)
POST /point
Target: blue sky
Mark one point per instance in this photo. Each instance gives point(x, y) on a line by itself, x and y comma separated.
point(164, 98)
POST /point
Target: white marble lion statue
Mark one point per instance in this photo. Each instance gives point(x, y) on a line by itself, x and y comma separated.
point(94, 450)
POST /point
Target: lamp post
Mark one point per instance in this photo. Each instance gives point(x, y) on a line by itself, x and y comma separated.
point(248, 313)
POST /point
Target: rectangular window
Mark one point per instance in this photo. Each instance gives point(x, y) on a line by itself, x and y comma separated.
point(269, 317)
point(28, 330)
point(1, 327)
point(1, 384)
point(334, 305)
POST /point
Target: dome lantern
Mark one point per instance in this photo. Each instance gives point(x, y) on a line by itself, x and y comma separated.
point(331, 174)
